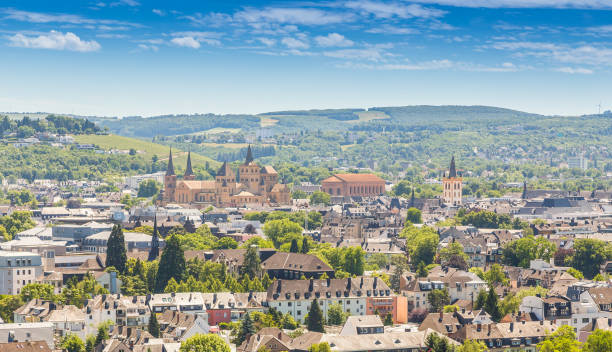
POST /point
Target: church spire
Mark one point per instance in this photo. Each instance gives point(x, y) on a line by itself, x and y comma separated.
point(452, 172)
point(188, 170)
point(249, 156)
point(170, 170)
point(154, 251)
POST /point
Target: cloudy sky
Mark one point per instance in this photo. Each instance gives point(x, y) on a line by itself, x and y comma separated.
point(137, 57)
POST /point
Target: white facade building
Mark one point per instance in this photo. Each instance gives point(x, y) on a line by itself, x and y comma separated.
point(18, 269)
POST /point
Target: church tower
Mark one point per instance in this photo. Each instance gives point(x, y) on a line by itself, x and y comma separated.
point(189, 175)
point(154, 251)
point(452, 186)
point(170, 181)
point(250, 175)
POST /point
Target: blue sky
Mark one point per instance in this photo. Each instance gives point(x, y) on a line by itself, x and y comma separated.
point(137, 57)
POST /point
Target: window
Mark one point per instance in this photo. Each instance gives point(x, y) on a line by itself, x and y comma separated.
point(585, 320)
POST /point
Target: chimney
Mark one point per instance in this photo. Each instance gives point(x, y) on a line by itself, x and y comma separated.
point(489, 329)
point(214, 297)
point(348, 284)
point(361, 282)
point(328, 282)
point(511, 326)
point(609, 322)
point(279, 287)
point(441, 316)
point(478, 327)
point(280, 333)
point(311, 285)
point(375, 282)
point(541, 322)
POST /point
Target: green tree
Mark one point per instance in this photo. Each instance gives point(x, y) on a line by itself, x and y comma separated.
point(413, 216)
point(422, 270)
point(320, 347)
point(438, 344)
point(279, 230)
point(204, 343)
point(153, 327)
point(37, 290)
point(496, 275)
point(171, 264)
point(388, 320)
point(315, 320)
point(396, 278)
point(598, 341)
point(491, 305)
point(72, 343)
point(454, 256)
point(438, 299)
point(294, 246)
point(252, 264)
point(246, 329)
point(589, 255)
point(226, 243)
point(562, 340)
point(481, 299)
point(116, 254)
point(336, 315)
point(575, 273)
point(523, 250)
point(148, 188)
point(354, 261)
point(472, 346)
point(305, 245)
point(9, 304)
point(102, 334)
point(320, 197)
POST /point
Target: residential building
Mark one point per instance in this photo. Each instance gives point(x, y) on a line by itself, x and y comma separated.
point(362, 324)
point(26, 332)
point(295, 296)
point(292, 266)
point(18, 269)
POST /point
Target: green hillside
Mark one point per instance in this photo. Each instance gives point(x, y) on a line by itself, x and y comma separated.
point(144, 148)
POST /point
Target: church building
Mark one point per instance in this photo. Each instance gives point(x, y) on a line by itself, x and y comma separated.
point(452, 186)
point(250, 185)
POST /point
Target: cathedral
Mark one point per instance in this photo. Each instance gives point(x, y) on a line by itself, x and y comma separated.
point(250, 185)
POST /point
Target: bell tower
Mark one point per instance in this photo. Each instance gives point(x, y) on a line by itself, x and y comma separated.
point(452, 186)
point(170, 181)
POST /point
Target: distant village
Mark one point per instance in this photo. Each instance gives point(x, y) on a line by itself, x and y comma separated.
point(412, 300)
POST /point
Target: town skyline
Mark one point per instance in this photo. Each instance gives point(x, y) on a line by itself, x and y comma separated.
point(147, 58)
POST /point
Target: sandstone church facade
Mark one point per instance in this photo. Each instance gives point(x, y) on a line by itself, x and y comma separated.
point(250, 185)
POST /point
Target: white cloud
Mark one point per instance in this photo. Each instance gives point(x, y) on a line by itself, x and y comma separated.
point(333, 39)
point(188, 42)
point(54, 40)
point(210, 38)
point(565, 53)
point(146, 47)
point(574, 70)
point(560, 4)
point(390, 29)
point(267, 41)
point(393, 9)
point(304, 16)
point(293, 43)
point(131, 3)
point(158, 12)
point(39, 17)
point(369, 54)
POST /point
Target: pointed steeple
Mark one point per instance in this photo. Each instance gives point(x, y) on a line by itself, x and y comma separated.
point(154, 251)
point(188, 170)
point(170, 169)
point(249, 157)
point(452, 172)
